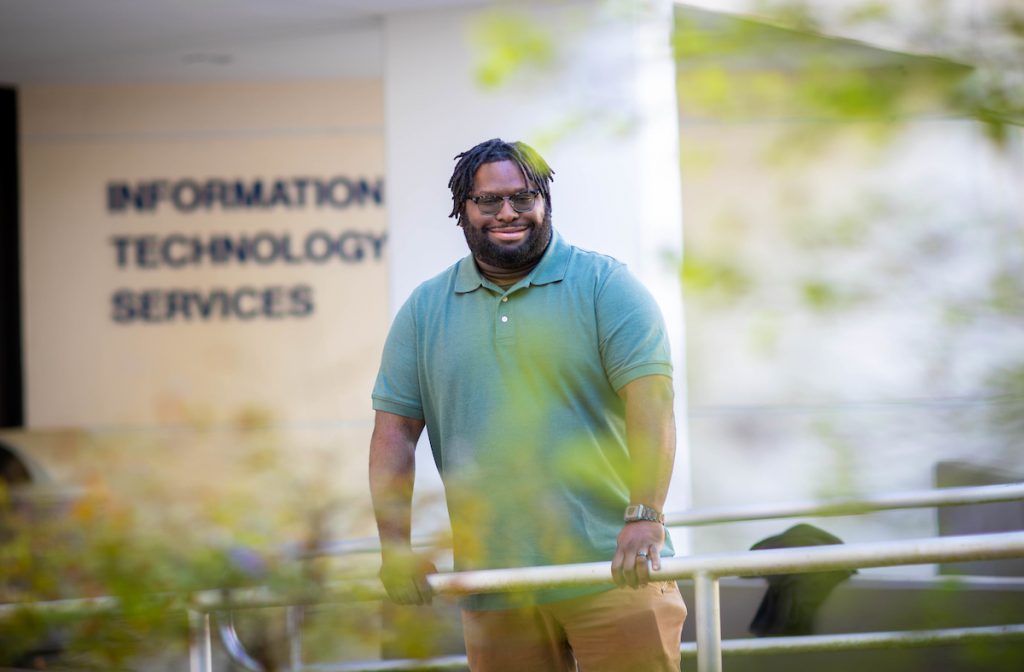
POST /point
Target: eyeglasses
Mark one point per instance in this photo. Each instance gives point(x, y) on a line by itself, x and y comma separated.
point(491, 204)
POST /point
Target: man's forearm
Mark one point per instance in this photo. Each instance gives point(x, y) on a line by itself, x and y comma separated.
point(392, 473)
point(651, 438)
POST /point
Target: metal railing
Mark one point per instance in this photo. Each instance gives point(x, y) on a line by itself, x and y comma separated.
point(705, 570)
point(852, 506)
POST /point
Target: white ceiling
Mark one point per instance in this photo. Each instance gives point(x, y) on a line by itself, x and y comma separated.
point(107, 41)
point(111, 41)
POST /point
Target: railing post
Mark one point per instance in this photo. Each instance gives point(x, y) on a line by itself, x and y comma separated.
point(199, 642)
point(294, 616)
point(709, 623)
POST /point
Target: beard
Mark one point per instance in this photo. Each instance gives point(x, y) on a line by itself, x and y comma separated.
point(509, 257)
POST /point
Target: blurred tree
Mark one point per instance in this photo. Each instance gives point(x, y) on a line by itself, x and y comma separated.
point(802, 69)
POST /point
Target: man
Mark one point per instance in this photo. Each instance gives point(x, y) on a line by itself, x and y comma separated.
point(542, 375)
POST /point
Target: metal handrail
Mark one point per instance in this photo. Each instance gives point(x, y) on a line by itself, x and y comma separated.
point(991, 546)
point(704, 569)
point(760, 563)
point(235, 648)
point(849, 506)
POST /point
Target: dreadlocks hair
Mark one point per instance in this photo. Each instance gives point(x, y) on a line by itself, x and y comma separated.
point(535, 169)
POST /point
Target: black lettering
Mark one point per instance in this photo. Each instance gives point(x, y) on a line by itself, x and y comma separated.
point(123, 306)
point(351, 251)
point(178, 196)
point(146, 252)
point(177, 261)
point(272, 300)
point(286, 250)
point(118, 196)
point(246, 303)
point(188, 195)
point(375, 191)
point(333, 192)
point(218, 303)
point(321, 193)
point(176, 303)
point(216, 191)
point(327, 193)
point(268, 252)
point(203, 303)
point(326, 248)
point(302, 300)
point(153, 193)
point(378, 244)
point(222, 248)
point(300, 190)
point(236, 303)
point(121, 243)
point(149, 305)
point(250, 198)
point(279, 195)
point(143, 197)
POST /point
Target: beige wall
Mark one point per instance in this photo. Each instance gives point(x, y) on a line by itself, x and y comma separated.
point(91, 364)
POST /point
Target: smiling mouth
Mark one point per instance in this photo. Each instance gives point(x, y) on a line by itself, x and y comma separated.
point(508, 233)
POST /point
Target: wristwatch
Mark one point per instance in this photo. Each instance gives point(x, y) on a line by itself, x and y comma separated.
point(636, 512)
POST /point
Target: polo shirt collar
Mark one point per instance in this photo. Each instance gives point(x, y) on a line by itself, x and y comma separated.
point(551, 268)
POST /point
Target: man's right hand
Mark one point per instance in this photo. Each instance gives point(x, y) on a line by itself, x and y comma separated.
point(404, 575)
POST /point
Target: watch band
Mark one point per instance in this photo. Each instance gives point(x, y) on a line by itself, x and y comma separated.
point(637, 512)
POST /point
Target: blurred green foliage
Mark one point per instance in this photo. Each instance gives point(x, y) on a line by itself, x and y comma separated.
point(785, 63)
point(93, 545)
point(714, 278)
point(777, 112)
point(781, 67)
point(508, 43)
point(733, 67)
point(150, 533)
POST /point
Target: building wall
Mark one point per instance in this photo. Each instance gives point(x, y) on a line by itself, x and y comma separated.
point(143, 305)
point(847, 285)
point(164, 367)
point(136, 341)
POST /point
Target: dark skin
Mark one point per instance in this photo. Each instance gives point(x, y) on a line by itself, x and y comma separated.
point(650, 433)
point(506, 246)
point(651, 439)
point(392, 472)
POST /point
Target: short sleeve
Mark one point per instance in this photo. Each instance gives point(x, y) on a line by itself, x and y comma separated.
point(397, 389)
point(632, 337)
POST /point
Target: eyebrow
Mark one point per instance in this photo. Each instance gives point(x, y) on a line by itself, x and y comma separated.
point(513, 193)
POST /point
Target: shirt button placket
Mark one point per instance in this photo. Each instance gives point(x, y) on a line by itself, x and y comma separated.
point(504, 319)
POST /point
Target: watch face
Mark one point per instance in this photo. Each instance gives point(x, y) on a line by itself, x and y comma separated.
point(635, 512)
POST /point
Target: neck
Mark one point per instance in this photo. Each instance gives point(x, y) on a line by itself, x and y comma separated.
point(506, 277)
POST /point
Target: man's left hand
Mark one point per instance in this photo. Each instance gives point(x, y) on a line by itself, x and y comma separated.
point(636, 540)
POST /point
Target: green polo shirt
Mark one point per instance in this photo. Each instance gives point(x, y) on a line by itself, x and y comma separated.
point(518, 389)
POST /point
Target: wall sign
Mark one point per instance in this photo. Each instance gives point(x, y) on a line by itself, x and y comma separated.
point(199, 253)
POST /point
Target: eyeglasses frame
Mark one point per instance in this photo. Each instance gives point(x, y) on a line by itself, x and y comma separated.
point(532, 192)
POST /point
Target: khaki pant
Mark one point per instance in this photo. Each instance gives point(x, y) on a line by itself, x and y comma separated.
point(619, 630)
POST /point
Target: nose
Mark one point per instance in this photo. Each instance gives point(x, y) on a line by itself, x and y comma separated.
point(507, 212)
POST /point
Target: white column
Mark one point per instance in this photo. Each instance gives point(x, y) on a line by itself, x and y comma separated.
point(616, 188)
